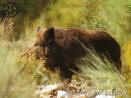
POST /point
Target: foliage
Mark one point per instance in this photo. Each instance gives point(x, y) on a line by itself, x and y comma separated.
point(92, 17)
point(127, 60)
point(27, 12)
point(35, 69)
point(127, 50)
point(118, 14)
point(6, 28)
point(64, 13)
point(109, 15)
point(12, 84)
point(102, 73)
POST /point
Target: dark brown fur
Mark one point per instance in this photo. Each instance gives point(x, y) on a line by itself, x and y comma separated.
point(61, 47)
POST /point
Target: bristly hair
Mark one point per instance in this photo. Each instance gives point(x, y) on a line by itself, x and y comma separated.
point(49, 34)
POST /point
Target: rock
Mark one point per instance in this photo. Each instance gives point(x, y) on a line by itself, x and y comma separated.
point(55, 91)
point(49, 90)
point(62, 94)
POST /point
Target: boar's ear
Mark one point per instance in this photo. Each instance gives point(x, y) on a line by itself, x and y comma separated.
point(49, 34)
point(38, 29)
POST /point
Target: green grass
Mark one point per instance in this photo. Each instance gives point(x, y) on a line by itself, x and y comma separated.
point(102, 74)
point(12, 83)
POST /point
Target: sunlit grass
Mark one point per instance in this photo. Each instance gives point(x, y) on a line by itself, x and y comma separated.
point(102, 73)
point(12, 84)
